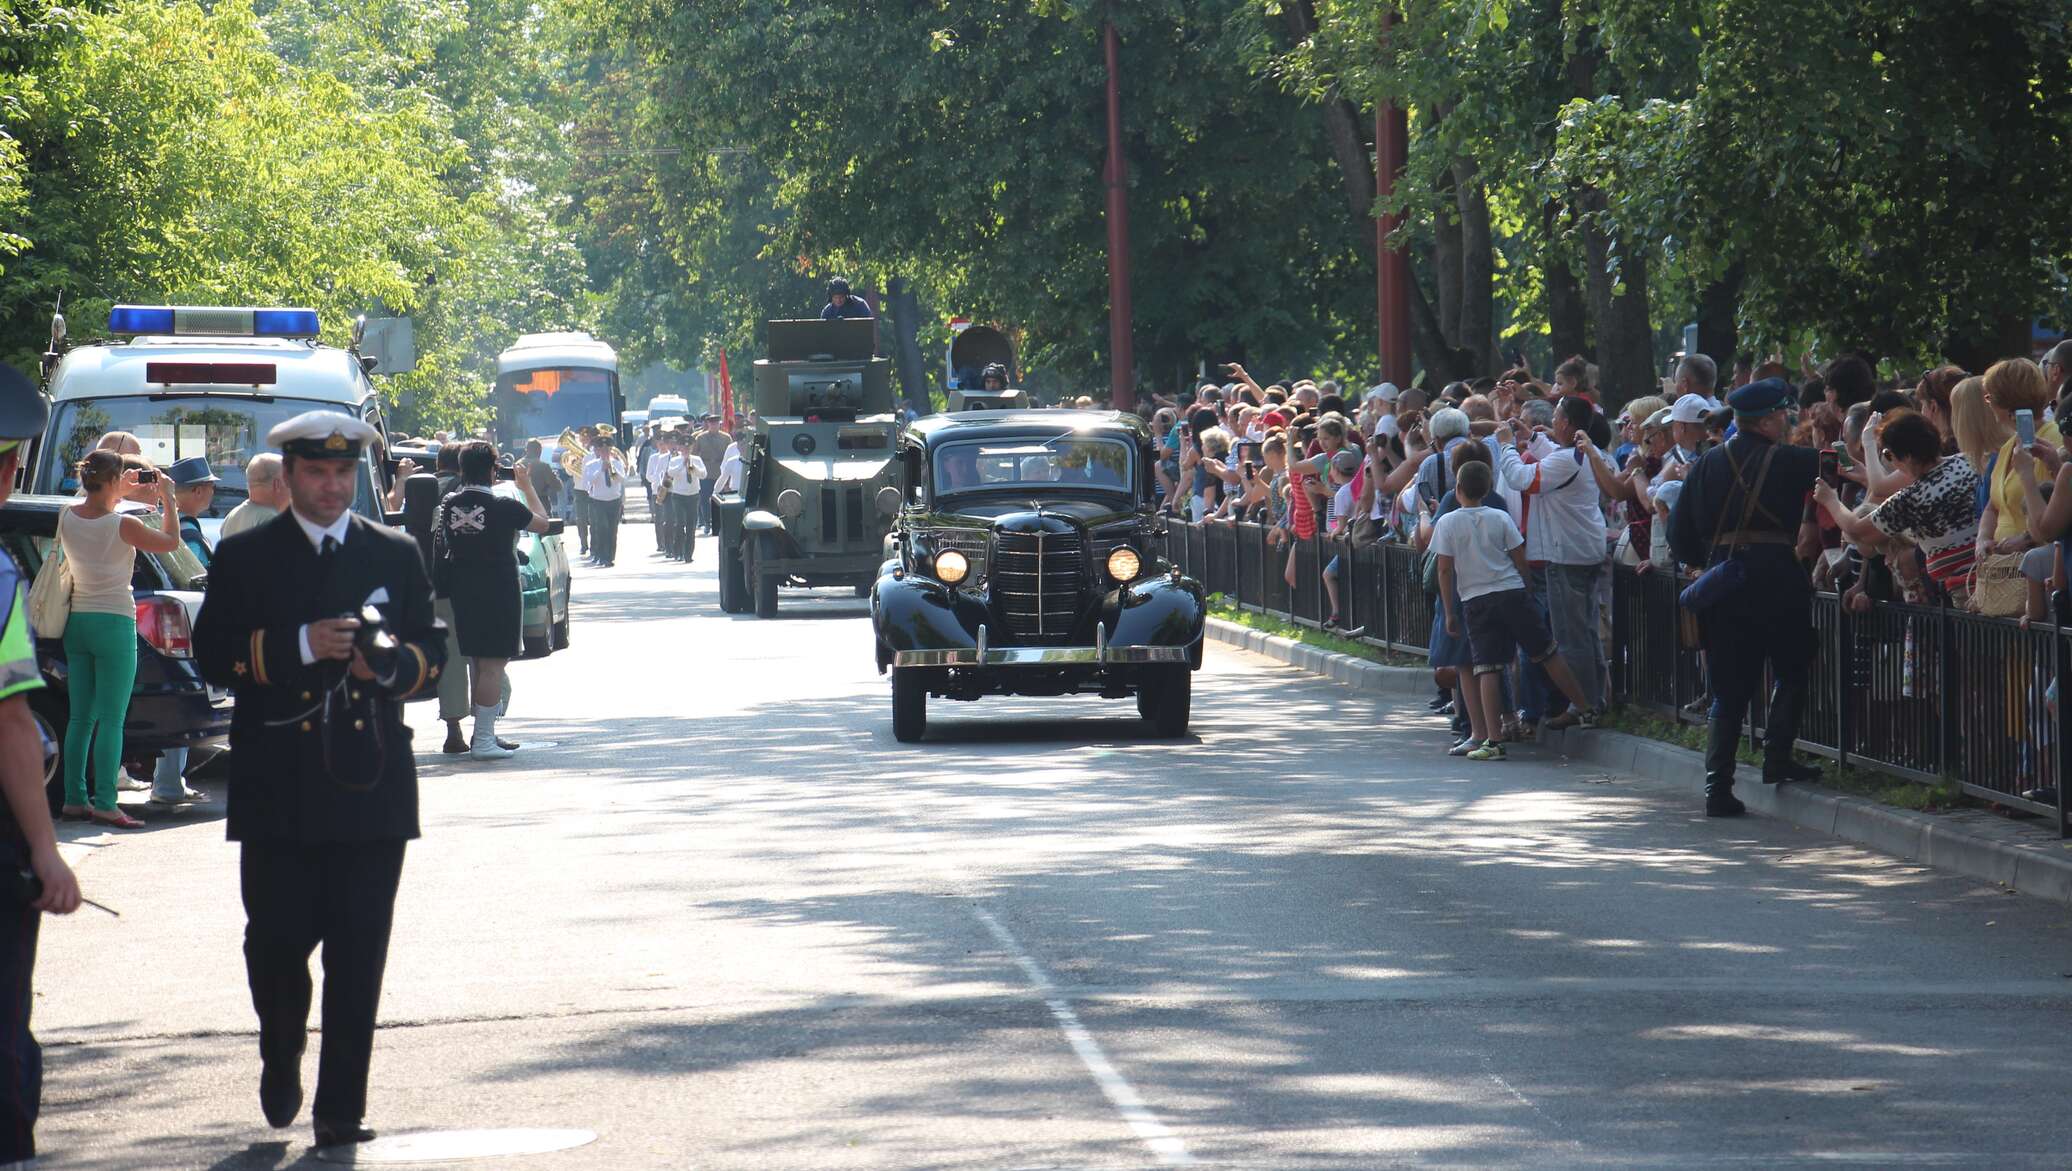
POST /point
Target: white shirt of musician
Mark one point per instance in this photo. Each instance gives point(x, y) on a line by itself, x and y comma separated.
point(686, 473)
point(657, 465)
point(598, 485)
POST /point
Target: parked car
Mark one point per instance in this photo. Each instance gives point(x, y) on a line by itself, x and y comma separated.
point(1029, 561)
point(171, 706)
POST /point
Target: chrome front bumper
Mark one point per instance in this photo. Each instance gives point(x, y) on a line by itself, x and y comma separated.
point(1098, 655)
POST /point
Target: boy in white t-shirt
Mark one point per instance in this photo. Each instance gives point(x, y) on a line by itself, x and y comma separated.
point(1482, 555)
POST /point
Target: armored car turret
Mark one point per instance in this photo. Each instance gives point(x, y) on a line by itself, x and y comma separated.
point(819, 485)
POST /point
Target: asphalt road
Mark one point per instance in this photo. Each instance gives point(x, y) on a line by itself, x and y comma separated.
point(718, 916)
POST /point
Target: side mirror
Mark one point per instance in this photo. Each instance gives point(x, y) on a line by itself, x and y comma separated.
point(554, 526)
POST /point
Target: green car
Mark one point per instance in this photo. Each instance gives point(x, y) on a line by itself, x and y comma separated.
point(543, 583)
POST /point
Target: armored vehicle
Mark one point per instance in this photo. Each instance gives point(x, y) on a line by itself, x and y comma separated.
point(818, 482)
point(1028, 562)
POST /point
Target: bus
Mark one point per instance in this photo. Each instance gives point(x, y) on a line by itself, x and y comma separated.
point(547, 383)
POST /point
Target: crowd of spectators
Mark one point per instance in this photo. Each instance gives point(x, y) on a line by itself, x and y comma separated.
point(1946, 488)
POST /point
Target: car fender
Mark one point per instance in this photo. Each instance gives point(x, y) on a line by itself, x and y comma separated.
point(912, 613)
point(761, 521)
point(1158, 611)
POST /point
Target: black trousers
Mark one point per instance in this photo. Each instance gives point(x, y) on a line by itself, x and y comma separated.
point(21, 1059)
point(298, 895)
point(604, 520)
point(582, 511)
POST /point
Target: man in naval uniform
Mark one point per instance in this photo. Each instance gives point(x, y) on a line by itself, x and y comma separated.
point(323, 790)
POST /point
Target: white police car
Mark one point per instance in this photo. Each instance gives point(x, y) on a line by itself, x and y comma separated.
point(201, 381)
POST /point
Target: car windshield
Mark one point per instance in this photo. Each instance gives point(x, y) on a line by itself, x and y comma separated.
point(1068, 460)
point(226, 431)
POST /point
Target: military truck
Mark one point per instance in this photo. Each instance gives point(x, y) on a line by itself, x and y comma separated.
point(819, 485)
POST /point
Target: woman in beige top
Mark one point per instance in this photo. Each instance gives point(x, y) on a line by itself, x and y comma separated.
point(100, 547)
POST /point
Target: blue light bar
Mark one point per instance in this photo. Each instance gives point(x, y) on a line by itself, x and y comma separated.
point(139, 319)
point(213, 321)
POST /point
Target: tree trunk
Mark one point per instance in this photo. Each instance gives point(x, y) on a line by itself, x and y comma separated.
point(1625, 339)
point(1341, 126)
point(1567, 319)
point(1718, 324)
point(1475, 333)
point(1446, 259)
point(906, 327)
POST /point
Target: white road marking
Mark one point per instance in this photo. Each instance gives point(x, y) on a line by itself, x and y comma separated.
point(1120, 1093)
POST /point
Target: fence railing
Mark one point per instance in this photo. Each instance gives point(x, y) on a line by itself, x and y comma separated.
point(1927, 694)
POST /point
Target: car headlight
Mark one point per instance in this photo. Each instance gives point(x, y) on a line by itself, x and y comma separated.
point(1124, 565)
point(951, 567)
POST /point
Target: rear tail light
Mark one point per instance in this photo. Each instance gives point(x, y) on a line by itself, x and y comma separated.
point(163, 623)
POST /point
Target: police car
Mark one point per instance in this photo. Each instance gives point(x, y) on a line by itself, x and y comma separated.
point(208, 382)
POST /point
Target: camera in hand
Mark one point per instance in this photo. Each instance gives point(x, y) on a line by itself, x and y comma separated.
point(375, 642)
point(147, 476)
point(504, 464)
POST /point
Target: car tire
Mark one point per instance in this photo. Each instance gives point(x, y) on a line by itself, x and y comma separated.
point(909, 704)
point(559, 639)
point(731, 587)
point(766, 595)
point(1166, 700)
point(863, 591)
point(51, 716)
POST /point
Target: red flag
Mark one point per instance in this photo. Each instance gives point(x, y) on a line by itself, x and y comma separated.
point(726, 395)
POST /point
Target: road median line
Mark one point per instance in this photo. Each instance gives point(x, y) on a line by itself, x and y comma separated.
point(2041, 868)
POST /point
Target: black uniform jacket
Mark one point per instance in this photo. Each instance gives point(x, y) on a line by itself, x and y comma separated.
point(1710, 490)
point(264, 585)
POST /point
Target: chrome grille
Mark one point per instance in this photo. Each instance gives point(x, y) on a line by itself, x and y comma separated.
point(1037, 581)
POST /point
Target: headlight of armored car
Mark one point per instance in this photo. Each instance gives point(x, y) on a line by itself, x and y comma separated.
point(1124, 565)
point(951, 567)
point(790, 503)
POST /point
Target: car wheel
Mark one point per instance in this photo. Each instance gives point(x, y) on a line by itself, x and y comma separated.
point(863, 591)
point(1166, 699)
point(560, 636)
point(51, 718)
point(730, 584)
point(766, 595)
point(909, 704)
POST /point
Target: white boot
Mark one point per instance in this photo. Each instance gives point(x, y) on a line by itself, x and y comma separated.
point(483, 745)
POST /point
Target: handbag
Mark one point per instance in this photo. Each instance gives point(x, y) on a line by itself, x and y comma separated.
point(1723, 580)
point(50, 595)
point(1998, 588)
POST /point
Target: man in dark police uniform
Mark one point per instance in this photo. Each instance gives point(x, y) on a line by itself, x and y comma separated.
point(323, 790)
point(1770, 617)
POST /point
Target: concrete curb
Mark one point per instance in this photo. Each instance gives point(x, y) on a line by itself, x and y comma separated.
point(2041, 868)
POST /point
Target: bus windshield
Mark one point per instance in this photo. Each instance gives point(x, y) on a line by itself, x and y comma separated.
point(541, 404)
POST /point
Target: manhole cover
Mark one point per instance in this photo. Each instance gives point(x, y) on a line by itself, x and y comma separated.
point(454, 1146)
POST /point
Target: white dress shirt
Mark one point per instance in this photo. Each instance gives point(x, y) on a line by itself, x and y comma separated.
point(316, 533)
point(598, 485)
point(657, 467)
point(686, 474)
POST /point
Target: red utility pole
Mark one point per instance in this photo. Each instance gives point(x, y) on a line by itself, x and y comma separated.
point(1122, 362)
point(1392, 270)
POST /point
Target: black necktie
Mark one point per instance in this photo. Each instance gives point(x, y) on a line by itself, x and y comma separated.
point(330, 546)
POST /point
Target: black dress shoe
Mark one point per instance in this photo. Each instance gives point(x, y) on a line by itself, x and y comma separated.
point(280, 1092)
point(1777, 773)
point(339, 1134)
point(1724, 805)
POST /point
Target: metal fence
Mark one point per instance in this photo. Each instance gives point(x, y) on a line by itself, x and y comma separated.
point(1927, 694)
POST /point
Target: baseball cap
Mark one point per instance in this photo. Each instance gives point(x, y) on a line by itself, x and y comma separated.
point(1347, 461)
point(1691, 408)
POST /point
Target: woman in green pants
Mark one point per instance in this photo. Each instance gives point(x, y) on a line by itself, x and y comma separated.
point(101, 634)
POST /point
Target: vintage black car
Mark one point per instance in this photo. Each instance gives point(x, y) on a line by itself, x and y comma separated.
point(1027, 561)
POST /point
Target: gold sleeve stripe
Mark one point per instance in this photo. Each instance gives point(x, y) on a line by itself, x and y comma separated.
point(259, 658)
point(423, 666)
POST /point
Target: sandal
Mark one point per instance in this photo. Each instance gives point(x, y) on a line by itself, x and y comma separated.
point(72, 812)
point(115, 819)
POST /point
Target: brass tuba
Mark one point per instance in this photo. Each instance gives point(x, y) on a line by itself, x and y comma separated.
point(573, 453)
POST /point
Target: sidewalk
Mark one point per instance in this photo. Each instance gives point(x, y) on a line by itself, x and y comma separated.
point(2021, 856)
